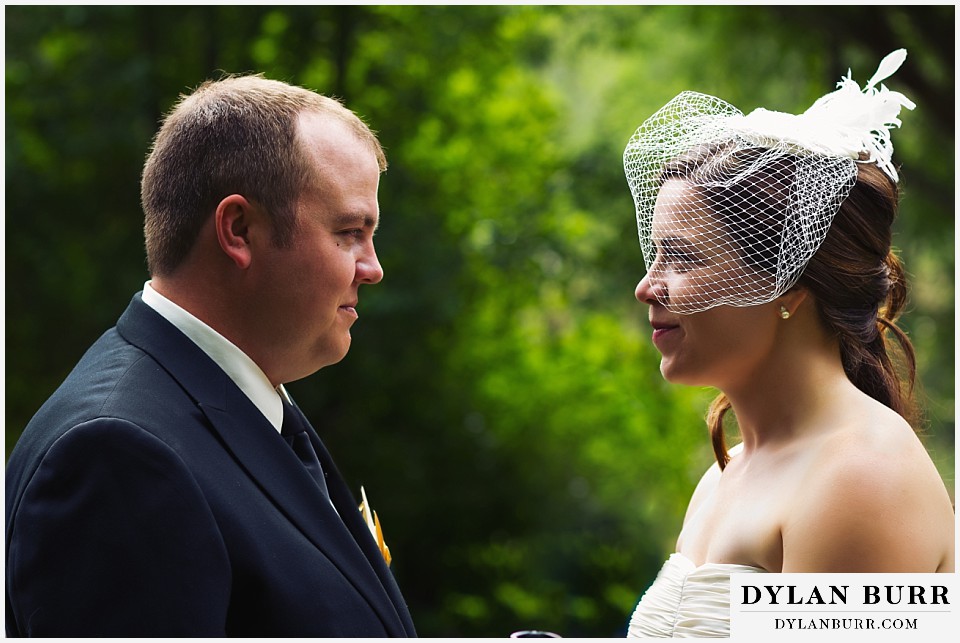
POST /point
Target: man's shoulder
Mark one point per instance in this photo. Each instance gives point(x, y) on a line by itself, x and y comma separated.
point(113, 379)
point(110, 367)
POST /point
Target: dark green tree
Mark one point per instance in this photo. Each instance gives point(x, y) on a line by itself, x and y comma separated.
point(501, 403)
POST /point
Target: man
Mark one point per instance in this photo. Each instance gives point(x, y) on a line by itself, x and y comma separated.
point(168, 487)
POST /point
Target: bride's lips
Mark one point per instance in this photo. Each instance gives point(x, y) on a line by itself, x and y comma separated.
point(350, 309)
point(663, 331)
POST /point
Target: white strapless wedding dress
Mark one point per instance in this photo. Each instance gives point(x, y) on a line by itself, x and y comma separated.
point(687, 601)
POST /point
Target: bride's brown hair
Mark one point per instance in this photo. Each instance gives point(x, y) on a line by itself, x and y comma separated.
point(860, 288)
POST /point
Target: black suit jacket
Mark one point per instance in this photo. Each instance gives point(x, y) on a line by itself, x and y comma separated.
point(150, 497)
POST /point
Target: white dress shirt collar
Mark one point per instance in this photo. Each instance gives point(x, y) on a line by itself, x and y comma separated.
point(235, 363)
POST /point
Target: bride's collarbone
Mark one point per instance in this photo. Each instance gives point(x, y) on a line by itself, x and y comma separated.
point(739, 521)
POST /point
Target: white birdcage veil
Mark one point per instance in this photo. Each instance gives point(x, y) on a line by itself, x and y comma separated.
point(743, 202)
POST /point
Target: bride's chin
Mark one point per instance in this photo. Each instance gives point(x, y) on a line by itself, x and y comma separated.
point(669, 371)
point(673, 373)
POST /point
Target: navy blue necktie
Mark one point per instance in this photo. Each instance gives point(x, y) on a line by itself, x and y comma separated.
point(295, 433)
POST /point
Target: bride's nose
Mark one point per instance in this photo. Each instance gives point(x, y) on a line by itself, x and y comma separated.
point(650, 290)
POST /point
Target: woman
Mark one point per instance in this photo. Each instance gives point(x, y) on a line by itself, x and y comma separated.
point(767, 239)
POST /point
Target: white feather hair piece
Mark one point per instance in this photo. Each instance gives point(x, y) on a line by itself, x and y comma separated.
point(848, 122)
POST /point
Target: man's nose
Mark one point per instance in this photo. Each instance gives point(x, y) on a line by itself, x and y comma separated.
point(369, 270)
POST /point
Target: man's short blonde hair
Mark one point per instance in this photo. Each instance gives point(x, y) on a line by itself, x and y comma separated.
point(237, 135)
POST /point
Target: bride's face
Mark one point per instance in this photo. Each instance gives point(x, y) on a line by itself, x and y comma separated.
point(694, 265)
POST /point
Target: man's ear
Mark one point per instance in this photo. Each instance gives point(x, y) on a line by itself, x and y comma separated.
point(232, 220)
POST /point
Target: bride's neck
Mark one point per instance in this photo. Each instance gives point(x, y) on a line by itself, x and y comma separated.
point(791, 398)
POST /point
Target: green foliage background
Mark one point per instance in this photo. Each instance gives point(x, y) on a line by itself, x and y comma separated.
point(501, 403)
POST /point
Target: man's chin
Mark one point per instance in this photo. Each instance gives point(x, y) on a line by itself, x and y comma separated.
point(341, 352)
point(330, 356)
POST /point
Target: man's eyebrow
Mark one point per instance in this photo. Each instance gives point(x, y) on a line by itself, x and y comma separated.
point(359, 219)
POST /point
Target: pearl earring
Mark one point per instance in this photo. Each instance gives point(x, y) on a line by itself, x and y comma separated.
point(784, 313)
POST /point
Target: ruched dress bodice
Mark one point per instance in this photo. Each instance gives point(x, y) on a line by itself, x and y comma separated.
point(687, 600)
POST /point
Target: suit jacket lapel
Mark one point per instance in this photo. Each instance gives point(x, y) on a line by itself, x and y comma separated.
point(346, 504)
point(267, 458)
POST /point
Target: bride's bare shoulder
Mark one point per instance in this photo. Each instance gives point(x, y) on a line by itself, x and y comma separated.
point(872, 501)
point(882, 450)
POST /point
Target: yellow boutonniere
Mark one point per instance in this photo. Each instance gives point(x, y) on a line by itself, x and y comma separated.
point(373, 523)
